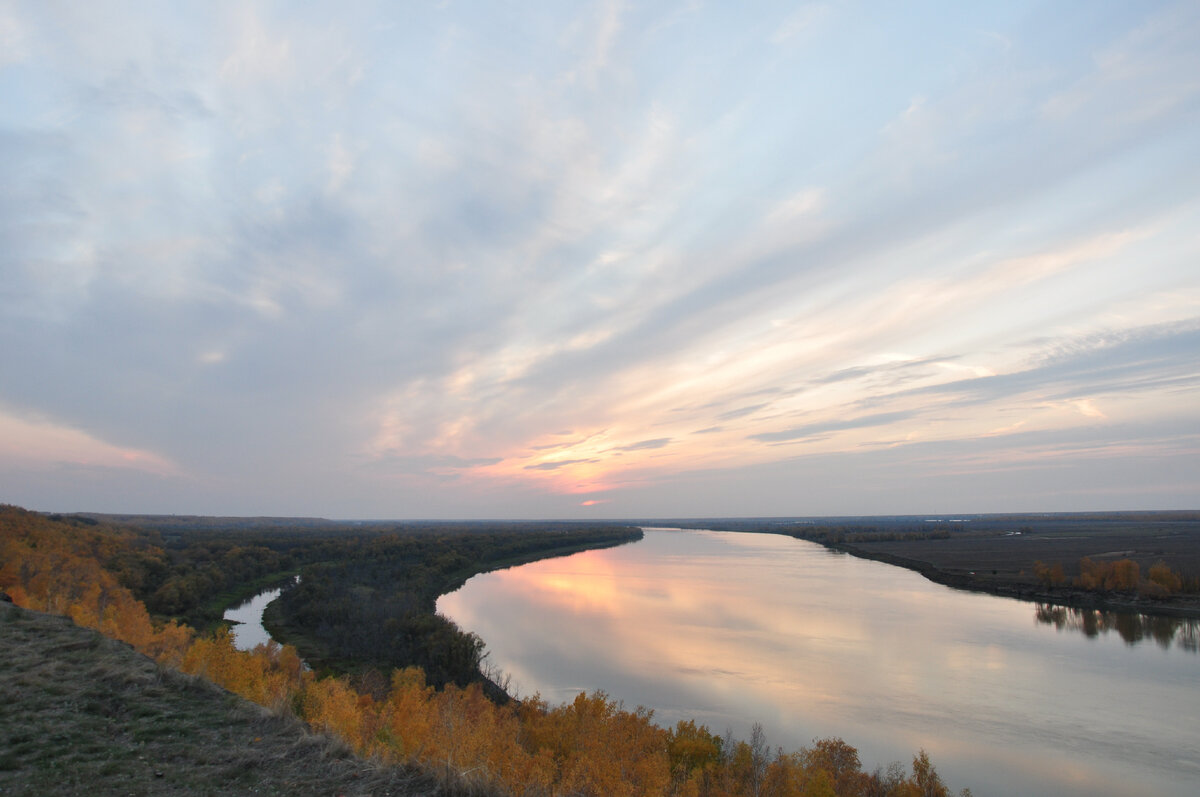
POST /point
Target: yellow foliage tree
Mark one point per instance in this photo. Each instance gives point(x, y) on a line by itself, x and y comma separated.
point(1165, 577)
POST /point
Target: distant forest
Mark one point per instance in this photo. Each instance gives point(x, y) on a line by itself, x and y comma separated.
point(369, 590)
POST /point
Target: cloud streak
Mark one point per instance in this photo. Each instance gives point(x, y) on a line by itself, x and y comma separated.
point(815, 429)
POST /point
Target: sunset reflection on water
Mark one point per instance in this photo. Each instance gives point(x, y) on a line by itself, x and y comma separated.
point(688, 625)
point(730, 629)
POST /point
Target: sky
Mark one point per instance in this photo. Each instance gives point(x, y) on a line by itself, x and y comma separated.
point(575, 260)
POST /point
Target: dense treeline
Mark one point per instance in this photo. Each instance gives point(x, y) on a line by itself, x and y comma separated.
point(368, 595)
point(591, 746)
point(61, 567)
point(193, 577)
point(192, 568)
point(373, 604)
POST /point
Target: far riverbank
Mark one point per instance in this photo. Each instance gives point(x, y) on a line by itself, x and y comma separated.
point(999, 554)
point(1180, 606)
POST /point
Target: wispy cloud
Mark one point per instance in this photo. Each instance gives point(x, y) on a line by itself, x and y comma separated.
point(433, 463)
point(1148, 72)
point(41, 443)
point(740, 412)
point(1146, 359)
point(556, 464)
point(814, 429)
point(645, 445)
point(800, 22)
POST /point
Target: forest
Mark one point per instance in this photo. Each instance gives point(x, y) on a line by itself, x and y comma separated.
point(372, 604)
point(105, 576)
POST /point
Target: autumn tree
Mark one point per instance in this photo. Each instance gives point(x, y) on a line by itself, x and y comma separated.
point(1049, 575)
point(928, 782)
point(1165, 577)
point(692, 750)
point(840, 761)
point(1122, 575)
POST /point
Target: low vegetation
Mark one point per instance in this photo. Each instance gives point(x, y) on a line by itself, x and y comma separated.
point(591, 746)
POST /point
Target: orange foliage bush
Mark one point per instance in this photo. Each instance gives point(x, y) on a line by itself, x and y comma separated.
point(1165, 578)
point(1125, 576)
point(1049, 575)
point(1122, 575)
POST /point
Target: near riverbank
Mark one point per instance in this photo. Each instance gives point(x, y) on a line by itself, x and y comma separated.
point(87, 715)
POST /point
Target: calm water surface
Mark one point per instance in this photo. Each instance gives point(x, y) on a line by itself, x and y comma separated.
point(730, 629)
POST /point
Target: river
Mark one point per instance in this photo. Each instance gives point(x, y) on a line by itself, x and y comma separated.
point(246, 620)
point(731, 629)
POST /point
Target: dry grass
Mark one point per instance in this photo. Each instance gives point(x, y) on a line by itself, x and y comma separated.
point(82, 714)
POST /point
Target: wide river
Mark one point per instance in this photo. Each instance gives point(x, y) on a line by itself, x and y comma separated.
point(730, 629)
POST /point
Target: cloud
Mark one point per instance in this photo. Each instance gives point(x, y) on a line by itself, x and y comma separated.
point(605, 31)
point(40, 443)
point(1088, 408)
point(740, 412)
point(259, 53)
point(1142, 359)
point(801, 22)
point(897, 371)
point(433, 463)
point(797, 206)
point(14, 36)
point(555, 465)
point(1146, 74)
point(814, 429)
point(645, 445)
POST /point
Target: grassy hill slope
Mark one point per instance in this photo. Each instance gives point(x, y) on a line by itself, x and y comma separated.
point(83, 714)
